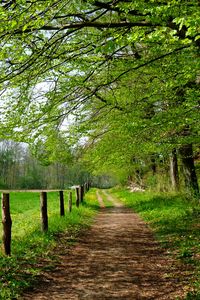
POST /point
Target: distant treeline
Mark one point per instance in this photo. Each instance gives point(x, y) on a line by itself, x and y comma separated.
point(19, 169)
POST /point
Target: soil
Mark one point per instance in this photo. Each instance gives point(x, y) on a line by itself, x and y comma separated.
point(118, 258)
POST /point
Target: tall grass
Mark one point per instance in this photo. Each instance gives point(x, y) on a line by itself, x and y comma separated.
point(175, 221)
point(30, 245)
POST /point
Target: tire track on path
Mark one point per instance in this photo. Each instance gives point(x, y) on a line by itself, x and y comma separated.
point(100, 200)
point(110, 198)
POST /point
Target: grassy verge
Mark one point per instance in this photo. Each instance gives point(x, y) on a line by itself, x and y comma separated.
point(30, 246)
point(176, 223)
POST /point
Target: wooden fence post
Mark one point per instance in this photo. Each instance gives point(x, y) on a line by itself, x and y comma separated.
point(81, 193)
point(7, 223)
point(43, 207)
point(70, 202)
point(62, 206)
point(77, 196)
point(85, 188)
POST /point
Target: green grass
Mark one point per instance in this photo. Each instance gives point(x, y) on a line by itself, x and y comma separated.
point(175, 221)
point(30, 245)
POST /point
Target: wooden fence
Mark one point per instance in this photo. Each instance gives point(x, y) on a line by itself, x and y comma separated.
point(6, 216)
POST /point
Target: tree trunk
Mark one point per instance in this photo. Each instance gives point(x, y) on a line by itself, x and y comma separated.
point(189, 172)
point(174, 170)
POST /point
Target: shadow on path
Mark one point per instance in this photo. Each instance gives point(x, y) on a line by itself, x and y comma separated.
point(117, 259)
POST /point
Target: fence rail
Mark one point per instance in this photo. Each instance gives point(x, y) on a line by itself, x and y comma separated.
point(6, 215)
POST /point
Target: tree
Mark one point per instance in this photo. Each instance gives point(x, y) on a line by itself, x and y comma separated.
point(174, 172)
point(91, 57)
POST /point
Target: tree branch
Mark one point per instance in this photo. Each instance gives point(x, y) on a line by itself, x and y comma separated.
point(89, 24)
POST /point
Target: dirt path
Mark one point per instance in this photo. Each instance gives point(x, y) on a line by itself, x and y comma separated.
point(117, 259)
point(114, 201)
point(100, 200)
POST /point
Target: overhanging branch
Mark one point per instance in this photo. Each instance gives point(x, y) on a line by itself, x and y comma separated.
point(80, 25)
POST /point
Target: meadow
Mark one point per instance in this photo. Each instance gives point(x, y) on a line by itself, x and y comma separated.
point(30, 246)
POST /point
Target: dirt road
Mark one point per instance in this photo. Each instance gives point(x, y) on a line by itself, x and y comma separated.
point(118, 258)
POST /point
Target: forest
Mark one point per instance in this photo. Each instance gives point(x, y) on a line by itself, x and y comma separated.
point(107, 94)
point(113, 84)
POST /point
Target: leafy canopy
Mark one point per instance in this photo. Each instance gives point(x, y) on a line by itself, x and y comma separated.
point(103, 67)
